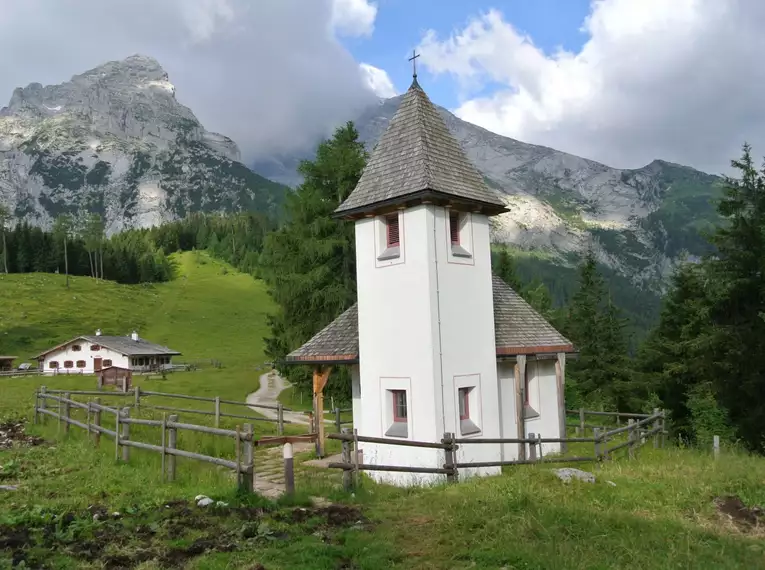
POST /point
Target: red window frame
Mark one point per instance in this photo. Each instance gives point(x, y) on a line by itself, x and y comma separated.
point(392, 231)
point(454, 227)
point(95, 347)
point(68, 364)
point(106, 363)
point(53, 364)
point(463, 403)
point(81, 364)
point(76, 348)
point(396, 417)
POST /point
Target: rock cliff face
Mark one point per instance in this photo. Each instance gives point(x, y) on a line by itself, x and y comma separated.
point(115, 140)
point(638, 221)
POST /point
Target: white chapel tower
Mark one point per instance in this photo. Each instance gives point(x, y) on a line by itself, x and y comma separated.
point(426, 339)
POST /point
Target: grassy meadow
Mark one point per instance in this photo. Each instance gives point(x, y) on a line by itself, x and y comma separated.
point(659, 511)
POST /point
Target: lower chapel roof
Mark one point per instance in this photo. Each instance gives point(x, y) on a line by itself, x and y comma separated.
point(518, 329)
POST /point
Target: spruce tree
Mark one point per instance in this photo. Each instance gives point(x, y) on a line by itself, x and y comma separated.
point(62, 231)
point(504, 268)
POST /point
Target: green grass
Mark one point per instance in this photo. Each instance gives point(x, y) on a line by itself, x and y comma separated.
point(660, 513)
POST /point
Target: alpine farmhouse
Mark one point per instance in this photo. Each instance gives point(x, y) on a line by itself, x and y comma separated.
point(90, 354)
point(435, 342)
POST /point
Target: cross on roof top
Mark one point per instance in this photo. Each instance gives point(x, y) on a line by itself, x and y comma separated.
point(413, 59)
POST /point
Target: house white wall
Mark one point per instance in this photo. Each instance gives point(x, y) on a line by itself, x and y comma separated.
point(66, 352)
point(426, 326)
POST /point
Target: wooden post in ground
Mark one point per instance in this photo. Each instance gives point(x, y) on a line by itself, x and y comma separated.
point(289, 470)
point(656, 427)
point(532, 448)
point(37, 405)
point(97, 423)
point(663, 431)
point(520, 383)
point(596, 437)
point(137, 393)
point(164, 444)
point(67, 412)
point(319, 382)
point(347, 474)
point(560, 379)
point(450, 458)
point(716, 446)
point(338, 423)
point(581, 421)
point(631, 438)
point(539, 445)
point(43, 403)
point(125, 435)
point(172, 442)
point(279, 418)
point(217, 411)
point(246, 480)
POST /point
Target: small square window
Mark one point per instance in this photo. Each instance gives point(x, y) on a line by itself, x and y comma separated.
point(95, 347)
point(398, 414)
point(107, 363)
point(392, 231)
point(464, 403)
point(53, 364)
point(68, 364)
point(80, 364)
point(76, 348)
point(399, 406)
point(467, 425)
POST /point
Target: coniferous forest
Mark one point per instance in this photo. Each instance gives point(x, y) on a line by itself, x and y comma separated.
point(699, 358)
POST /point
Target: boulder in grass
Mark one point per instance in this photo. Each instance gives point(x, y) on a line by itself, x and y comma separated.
point(567, 474)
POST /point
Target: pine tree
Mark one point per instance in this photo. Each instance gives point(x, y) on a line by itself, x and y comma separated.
point(62, 231)
point(505, 269)
point(309, 264)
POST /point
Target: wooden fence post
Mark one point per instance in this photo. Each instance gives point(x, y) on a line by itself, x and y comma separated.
point(43, 403)
point(450, 458)
point(596, 437)
point(631, 438)
point(37, 405)
point(716, 446)
point(289, 470)
point(539, 445)
point(164, 444)
point(663, 428)
point(338, 424)
point(347, 475)
point(279, 418)
point(581, 421)
point(137, 392)
point(67, 396)
point(532, 447)
point(246, 478)
point(656, 427)
point(172, 442)
point(97, 422)
point(217, 411)
point(125, 435)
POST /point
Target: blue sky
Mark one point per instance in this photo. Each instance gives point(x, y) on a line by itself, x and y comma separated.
point(401, 24)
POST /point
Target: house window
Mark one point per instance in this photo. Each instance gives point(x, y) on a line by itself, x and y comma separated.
point(80, 364)
point(392, 231)
point(399, 405)
point(95, 347)
point(53, 364)
point(398, 425)
point(68, 364)
point(454, 227)
point(76, 348)
point(467, 425)
point(106, 363)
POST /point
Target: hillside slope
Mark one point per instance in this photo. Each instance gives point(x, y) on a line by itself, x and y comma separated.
point(114, 140)
point(210, 311)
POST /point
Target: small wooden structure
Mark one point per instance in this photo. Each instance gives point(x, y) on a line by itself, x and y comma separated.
point(6, 363)
point(115, 376)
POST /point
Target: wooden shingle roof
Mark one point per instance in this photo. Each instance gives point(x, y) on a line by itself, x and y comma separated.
point(518, 329)
point(417, 158)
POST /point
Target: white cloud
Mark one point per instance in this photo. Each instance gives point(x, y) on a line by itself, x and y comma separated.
point(378, 80)
point(354, 17)
point(271, 74)
point(679, 80)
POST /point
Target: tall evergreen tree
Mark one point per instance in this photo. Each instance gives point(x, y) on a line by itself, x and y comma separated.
point(504, 268)
point(62, 231)
point(309, 264)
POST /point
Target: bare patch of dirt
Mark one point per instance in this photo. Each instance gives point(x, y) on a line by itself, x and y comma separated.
point(169, 535)
point(12, 433)
point(745, 518)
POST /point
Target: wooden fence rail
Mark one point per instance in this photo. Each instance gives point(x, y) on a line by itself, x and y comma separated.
point(244, 439)
point(137, 393)
point(636, 431)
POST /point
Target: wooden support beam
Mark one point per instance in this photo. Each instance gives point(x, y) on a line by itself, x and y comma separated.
point(520, 383)
point(560, 379)
point(320, 376)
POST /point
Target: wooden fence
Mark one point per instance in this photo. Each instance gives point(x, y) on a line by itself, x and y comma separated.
point(135, 396)
point(636, 432)
point(243, 437)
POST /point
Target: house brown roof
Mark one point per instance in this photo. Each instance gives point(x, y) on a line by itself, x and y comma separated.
point(518, 329)
point(123, 344)
point(418, 158)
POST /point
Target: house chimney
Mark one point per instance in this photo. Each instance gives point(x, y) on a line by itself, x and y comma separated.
point(98, 332)
point(134, 336)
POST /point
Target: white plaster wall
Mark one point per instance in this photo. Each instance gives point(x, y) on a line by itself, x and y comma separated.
point(396, 342)
point(66, 353)
point(467, 334)
point(544, 389)
point(356, 395)
point(508, 419)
